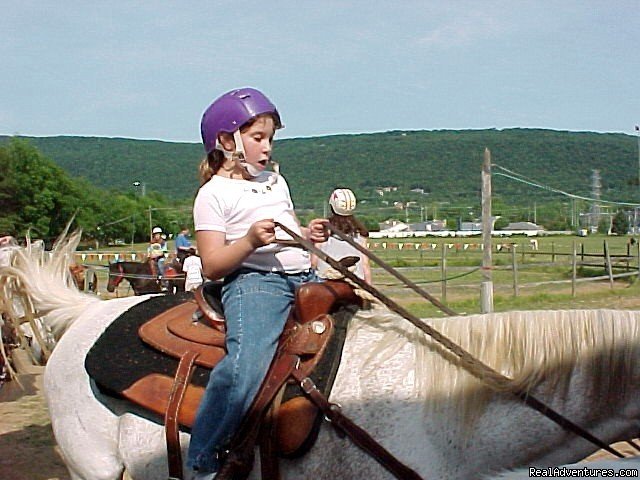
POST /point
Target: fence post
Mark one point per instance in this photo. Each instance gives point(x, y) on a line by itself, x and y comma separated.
point(574, 269)
point(553, 252)
point(582, 252)
point(514, 267)
point(443, 271)
point(607, 260)
point(486, 286)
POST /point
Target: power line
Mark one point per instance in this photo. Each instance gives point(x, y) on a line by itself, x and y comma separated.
point(521, 178)
point(120, 220)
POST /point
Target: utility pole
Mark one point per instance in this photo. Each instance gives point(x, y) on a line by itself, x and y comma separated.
point(142, 186)
point(638, 136)
point(635, 210)
point(596, 211)
point(150, 222)
point(486, 287)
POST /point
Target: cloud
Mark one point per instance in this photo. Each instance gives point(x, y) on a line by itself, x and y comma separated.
point(462, 31)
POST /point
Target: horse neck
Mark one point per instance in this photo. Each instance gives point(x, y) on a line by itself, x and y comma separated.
point(396, 372)
point(596, 351)
point(142, 285)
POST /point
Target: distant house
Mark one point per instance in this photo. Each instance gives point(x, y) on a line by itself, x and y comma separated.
point(471, 226)
point(382, 190)
point(523, 226)
point(393, 226)
point(429, 226)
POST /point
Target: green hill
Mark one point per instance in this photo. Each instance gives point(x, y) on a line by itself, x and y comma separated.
point(444, 164)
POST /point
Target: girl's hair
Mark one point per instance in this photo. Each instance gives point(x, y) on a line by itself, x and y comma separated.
point(348, 224)
point(210, 164)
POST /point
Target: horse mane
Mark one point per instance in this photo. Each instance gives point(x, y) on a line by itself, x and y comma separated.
point(529, 347)
point(37, 277)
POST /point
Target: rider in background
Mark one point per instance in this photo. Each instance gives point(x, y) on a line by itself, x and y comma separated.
point(234, 213)
point(343, 203)
point(157, 249)
point(183, 244)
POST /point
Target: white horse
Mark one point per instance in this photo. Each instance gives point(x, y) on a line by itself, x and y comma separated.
point(403, 388)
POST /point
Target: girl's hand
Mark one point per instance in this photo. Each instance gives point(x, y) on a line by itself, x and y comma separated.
point(261, 233)
point(318, 231)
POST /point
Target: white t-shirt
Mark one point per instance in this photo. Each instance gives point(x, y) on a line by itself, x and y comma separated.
point(192, 268)
point(231, 206)
point(338, 249)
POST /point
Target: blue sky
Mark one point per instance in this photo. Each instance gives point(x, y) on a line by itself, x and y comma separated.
point(148, 69)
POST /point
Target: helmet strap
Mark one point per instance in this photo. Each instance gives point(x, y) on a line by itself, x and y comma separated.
point(238, 154)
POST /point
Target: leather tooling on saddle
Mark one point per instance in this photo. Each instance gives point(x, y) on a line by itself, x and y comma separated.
point(147, 354)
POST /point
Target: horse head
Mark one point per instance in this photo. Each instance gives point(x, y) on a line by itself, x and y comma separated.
point(78, 275)
point(116, 274)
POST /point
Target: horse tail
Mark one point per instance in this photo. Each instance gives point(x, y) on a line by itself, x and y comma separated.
point(40, 283)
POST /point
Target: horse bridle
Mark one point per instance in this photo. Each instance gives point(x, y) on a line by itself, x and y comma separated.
point(119, 276)
point(474, 366)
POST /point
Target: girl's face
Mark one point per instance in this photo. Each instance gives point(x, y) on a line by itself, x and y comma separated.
point(258, 140)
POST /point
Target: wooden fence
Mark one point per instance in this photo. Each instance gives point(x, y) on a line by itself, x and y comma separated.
point(518, 256)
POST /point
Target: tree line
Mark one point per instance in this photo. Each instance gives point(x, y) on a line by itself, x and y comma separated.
point(38, 198)
point(434, 174)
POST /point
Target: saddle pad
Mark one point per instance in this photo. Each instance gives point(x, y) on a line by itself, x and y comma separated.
point(119, 358)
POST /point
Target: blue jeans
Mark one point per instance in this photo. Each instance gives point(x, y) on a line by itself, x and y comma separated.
point(161, 268)
point(256, 306)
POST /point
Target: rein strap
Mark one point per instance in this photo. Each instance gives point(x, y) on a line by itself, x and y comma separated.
point(477, 368)
point(359, 436)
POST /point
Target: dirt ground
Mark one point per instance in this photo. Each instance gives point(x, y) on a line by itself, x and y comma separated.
point(27, 448)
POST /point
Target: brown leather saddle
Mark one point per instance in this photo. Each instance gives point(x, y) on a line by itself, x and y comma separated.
point(193, 332)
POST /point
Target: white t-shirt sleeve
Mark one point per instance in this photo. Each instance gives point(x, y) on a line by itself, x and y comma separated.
point(208, 212)
point(286, 189)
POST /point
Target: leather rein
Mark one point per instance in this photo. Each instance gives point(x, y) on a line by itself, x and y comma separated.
point(474, 366)
point(119, 276)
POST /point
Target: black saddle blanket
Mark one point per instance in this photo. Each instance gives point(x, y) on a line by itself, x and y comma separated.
point(119, 357)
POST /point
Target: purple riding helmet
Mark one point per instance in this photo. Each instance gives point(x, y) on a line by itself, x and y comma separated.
point(232, 110)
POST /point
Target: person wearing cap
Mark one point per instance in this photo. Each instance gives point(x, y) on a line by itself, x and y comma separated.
point(157, 249)
point(343, 203)
point(235, 214)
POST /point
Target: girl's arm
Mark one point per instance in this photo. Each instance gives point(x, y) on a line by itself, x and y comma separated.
point(366, 268)
point(220, 259)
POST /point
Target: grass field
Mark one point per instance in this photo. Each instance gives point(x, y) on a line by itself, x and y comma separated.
point(544, 276)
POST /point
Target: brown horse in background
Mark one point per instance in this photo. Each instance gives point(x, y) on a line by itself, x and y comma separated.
point(79, 275)
point(144, 277)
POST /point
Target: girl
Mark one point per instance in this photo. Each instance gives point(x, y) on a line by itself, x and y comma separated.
point(235, 212)
point(343, 203)
point(192, 268)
